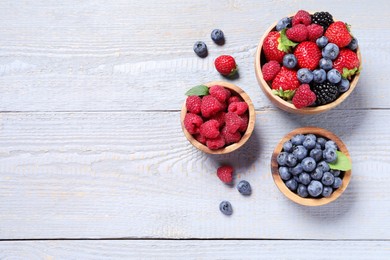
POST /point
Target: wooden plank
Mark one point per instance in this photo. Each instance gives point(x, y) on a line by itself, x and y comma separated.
point(187, 249)
point(130, 56)
point(133, 174)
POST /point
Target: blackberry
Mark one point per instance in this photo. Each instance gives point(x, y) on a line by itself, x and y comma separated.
point(326, 92)
point(322, 18)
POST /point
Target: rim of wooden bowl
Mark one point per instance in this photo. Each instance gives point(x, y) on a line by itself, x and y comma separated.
point(287, 106)
point(295, 197)
point(245, 137)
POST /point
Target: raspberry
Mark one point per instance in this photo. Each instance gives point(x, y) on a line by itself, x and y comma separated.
point(200, 138)
point(209, 129)
point(192, 122)
point(304, 96)
point(315, 31)
point(234, 99)
point(220, 117)
point(245, 120)
point(225, 173)
point(193, 104)
point(302, 17)
point(215, 143)
point(233, 122)
point(297, 33)
point(238, 107)
point(230, 137)
point(210, 106)
point(270, 70)
point(219, 93)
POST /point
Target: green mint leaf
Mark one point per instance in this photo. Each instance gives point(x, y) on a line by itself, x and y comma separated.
point(342, 163)
point(200, 90)
point(285, 43)
point(285, 94)
point(347, 74)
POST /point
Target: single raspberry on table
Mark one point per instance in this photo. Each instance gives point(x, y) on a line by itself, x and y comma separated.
point(210, 106)
point(220, 93)
point(234, 99)
point(215, 143)
point(297, 33)
point(238, 107)
point(270, 70)
point(230, 138)
point(233, 122)
point(315, 31)
point(225, 173)
point(192, 123)
point(193, 104)
point(301, 17)
point(210, 128)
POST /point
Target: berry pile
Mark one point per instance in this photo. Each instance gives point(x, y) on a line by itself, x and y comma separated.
point(216, 116)
point(306, 166)
point(311, 52)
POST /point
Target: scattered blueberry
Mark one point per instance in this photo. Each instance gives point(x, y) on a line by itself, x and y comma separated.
point(316, 154)
point(200, 48)
point(284, 173)
point(304, 178)
point(305, 75)
point(297, 139)
point(331, 144)
point(289, 61)
point(218, 37)
point(292, 160)
point(319, 75)
point(329, 155)
point(322, 41)
point(244, 187)
point(317, 173)
point(337, 183)
point(327, 178)
point(330, 51)
point(282, 158)
point(336, 173)
point(287, 147)
point(283, 23)
point(292, 184)
point(226, 208)
point(327, 191)
point(324, 166)
point(296, 170)
point(308, 164)
point(300, 152)
point(309, 142)
point(302, 191)
point(343, 85)
point(333, 76)
point(353, 44)
point(315, 188)
point(326, 64)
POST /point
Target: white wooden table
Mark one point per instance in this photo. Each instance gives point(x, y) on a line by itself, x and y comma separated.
point(93, 162)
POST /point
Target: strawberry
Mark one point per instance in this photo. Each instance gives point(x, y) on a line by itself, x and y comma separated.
point(225, 173)
point(297, 33)
point(286, 80)
point(304, 96)
point(301, 17)
point(315, 31)
point(338, 34)
point(270, 47)
point(226, 65)
point(270, 70)
point(347, 63)
point(308, 55)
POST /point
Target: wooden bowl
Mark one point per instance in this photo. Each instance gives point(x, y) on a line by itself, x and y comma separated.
point(285, 105)
point(245, 136)
point(346, 176)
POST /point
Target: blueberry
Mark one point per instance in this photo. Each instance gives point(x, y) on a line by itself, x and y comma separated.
point(318, 146)
point(327, 178)
point(289, 61)
point(316, 154)
point(333, 76)
point(300, 152)
point(353, 44)
point(284, 173)
point(296, 178)
point(343, 85)
point(226, 208)
point(244, 187)
point(309, 142)
point(317, 173)
point(308, 164)
point(305, 75)
point(283, 23)
point(336, 173)
point(302, 191)
point(200, 48)
point(315, 188)
point(321, 141)
point(292, 184)
point(322, 41)
point(324, 166)
point(319, 75)
point(297, 139)
point(325, 64)
point(337, 183)
point(292, 160)
point(296, 170)
point(330, 51)
point(331, 144)
point(282, 158)
point(327, 191)
point(329, 155)
point(218, 37)
point(304, 178)
point(287, 147)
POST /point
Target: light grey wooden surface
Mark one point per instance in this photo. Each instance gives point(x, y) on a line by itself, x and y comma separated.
point(91, 144)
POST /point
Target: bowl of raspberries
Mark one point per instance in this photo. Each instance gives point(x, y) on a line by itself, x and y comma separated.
point(217, 117)
point(311, 166)
point(308, 63)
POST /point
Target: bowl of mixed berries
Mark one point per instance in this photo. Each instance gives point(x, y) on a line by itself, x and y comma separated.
point(311, 166)
point(308, 63)
point(217, 117)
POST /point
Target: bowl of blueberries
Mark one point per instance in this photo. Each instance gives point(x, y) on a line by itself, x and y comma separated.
point(311, 166)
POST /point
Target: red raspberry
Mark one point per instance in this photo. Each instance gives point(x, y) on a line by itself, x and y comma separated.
point(193, 104)
point(210, 106)
point(302, 17)
point(234, 99)
point(270, 70)
point(245, 120)
point(230, 137)
point(315, 31)
point(238, 107)
point(192, 122)
point(219, 93)
point(215, 143)
point(200, 138)
point(304, 96)
point(225, 173)
point(233, 122)
point(209, 129)
point(220, 117)
point(297, 33)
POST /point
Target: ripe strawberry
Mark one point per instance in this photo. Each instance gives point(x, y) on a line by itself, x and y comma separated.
point(348, 60)
point(338, 34)
point(270, 70)
point(304, 96)
point(308, 55)
point(270, 47)
point(210, 106)
point(210, 128)
point(297, 33)
point(193, 104)
point(301, 17)
point(220, 93)
point(315, 31)
point(226, 65)
point(225, 173)
point(286, 80)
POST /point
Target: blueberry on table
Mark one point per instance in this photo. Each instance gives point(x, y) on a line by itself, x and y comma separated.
point(292, 184)
point(226, 208)
point(337, 183)
point(315, 188)
point(327, 191)
point(282, 158)
point(244, 187)
point(284, 173)
point(329, 155)
point(327, 179)
point(218, 37)
point(200, 48)
point(292, 160)
point(300, 152)
point(308, 164)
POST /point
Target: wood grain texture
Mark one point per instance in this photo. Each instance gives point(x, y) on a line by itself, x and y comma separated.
point(220, 249)
point(134, 174)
